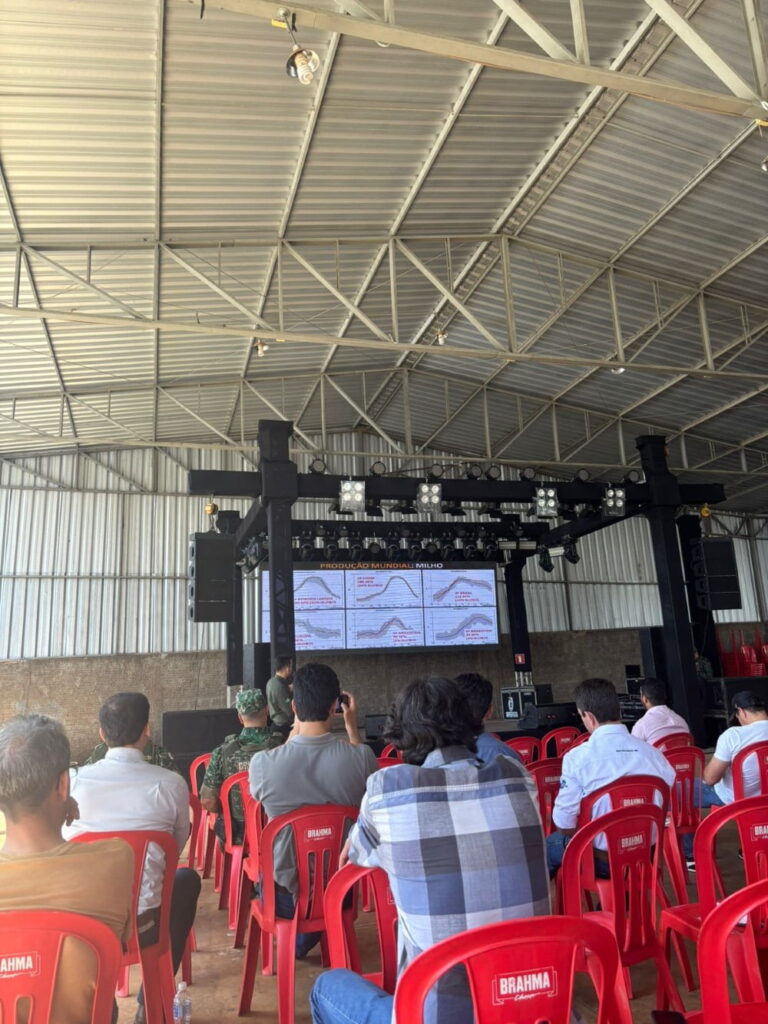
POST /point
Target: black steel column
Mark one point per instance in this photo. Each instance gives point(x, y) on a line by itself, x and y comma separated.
point(676, 630)
point(518, 616)
point(279, 492)
point(702, 620)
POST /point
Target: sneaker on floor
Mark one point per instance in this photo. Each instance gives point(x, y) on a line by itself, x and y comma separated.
point(690, 863)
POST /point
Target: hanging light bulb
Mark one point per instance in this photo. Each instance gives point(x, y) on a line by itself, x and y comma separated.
point(440, 336)
point(261, 348)
point(302, 64)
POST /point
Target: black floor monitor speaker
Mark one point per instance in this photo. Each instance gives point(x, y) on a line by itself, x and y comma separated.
point(256, 665)
point(544, 693)
point(716, 578)
point(187, 734)
point(210, 591)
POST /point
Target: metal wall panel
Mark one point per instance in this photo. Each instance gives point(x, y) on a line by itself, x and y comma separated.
point(103, 571)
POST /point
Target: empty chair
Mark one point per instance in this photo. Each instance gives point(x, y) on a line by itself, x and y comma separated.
point(391, 752)
point(528, 747)
point(32, 950)
point(672, 740)
point(546, 775)
point(750, 771)
point(202, 841)
point(559, 740)
point(521, 970)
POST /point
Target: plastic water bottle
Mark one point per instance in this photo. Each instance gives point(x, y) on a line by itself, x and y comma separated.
point(182, 1004)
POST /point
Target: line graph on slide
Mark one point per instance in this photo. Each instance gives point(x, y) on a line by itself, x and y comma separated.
point(382, 589)
point(445, 627)
point(320, 630)
point(385, 628)
point(318, 583)
point(471, 588)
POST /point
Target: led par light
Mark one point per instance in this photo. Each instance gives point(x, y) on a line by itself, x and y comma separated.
point(429, 498)
point(614, 501)
point(352, 496)
point(546, 503)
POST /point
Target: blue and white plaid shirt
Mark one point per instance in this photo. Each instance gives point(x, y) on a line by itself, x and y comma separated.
point(463, 846)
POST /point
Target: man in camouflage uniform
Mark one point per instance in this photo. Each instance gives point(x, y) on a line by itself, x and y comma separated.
point(234, 755)
point(153, 754)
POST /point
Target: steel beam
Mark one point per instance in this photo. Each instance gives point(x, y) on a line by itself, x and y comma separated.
point(756, 36)
point(578, 18)
point(543, 38)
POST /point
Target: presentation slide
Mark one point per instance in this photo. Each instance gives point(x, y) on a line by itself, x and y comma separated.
point(376, 608)
point(400, 588)
point(460, 588)
point(385, 627)
point(447, 627)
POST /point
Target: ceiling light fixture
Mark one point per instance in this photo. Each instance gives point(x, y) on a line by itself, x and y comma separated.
point(545, 559)
point(440, 336)
point(302, 63)
point(546, 503)
point(261, 349)
point(614, 501)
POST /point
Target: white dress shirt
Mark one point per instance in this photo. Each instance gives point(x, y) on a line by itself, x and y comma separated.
point(658, 722)
point(729, 743)
point(610, 754)
point(125, 793)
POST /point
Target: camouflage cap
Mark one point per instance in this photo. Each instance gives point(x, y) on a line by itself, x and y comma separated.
point(250, 701)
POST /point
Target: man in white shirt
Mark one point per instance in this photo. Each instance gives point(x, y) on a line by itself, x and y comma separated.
point(123, 792)
point(659, 720)
point(610, 754)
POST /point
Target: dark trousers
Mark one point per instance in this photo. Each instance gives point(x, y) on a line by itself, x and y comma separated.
point(186, 891)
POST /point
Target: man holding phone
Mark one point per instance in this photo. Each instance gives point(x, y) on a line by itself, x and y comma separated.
point(315, 766)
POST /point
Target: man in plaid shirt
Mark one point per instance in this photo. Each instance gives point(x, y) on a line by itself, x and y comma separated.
point(460, 840)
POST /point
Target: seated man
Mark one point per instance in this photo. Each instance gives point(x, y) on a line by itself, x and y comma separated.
point(313, 767)
point(153, 754)
point(610, 754)
point(124, 793)
point(460, 840)
point(279, 696)
point(659, 720)
point(751, 717)
point(234, 755)
point(478, 693)
point(39, 871)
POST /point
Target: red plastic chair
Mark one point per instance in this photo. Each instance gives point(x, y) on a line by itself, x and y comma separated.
point(751, 818)
point(634, 837)
point(521, 971)
point(387, 762)
point(628, 791)
point(685, 813)
point(391, 752)
point(581, 738)
point(232, 856)
point(546, 774)
point(673, 740)
point(251, 873)
point(528, 747)
point(31, 944)
point(755, 751)
point(202, 841)
point(343, 952)
point(155, 960)
point(318, 836)
point(562, 739)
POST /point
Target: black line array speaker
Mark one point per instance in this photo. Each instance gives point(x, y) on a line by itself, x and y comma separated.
point(210, 590)
point(715, 576)
point(256, 666)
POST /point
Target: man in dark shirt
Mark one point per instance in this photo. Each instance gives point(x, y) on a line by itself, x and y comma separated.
point(279, 696)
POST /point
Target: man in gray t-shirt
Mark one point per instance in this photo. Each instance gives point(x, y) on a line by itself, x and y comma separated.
point(313, 767)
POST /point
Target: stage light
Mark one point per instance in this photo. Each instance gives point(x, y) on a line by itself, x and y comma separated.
point(331, 549)
point(493, 472)
point(490, 551)
point(405, 508)
point(570, 554)
point(307, 548)
point(393, 552)
point(373, 508)
point(378, 468)
point(431, 550)
point(492, 509)
point(545, 559)
point(471, 551)
point(546, 503)
point(352, 496)
point(473, 471)
point(429, 498)
point(452, 508)
point(614, 501)
point(374, 549)
point(527, 473)
point(415, 551)
point(447, 550)
point(435, 471)
point(317, 466)
point(355, 551)
point(633, 476)
point(582, 476)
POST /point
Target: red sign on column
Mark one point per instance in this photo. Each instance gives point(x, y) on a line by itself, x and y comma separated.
point(519, 659)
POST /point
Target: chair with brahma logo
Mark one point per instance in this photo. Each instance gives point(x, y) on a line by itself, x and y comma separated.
point(31, 946)
point(318, 836)
point(528, 747)
point(522, 970)
point(757, 755)
point(634, 838)
point(546, 774)
point(561, 739)
point(673, 740)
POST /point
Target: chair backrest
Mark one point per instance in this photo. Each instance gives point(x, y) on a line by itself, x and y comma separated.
point(751, 818)
point(673, 740)
point(391, 752)
point(386, 919)
point(387, 762)
point(254, 826)
point(31, 945)
point(319, 833)
point(712, 949)
point(757, 754)
point(546, 774)
point(197, 772)
point(230, 795)
point(522, 971)
point(628, 791)
point(688, 763)
point(634, 837)
point(528, 747)
point(583, 737)
point(139, 841)
point(560, 739)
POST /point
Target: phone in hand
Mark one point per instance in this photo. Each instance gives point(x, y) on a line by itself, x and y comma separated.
point(341, 702)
